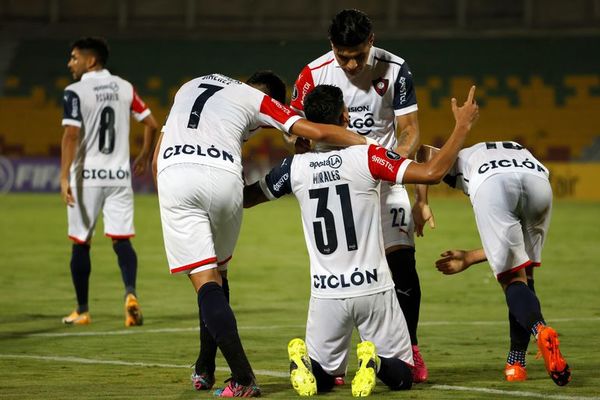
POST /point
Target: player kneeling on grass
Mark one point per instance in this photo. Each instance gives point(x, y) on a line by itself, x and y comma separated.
point(351, 283)
point(512, 201)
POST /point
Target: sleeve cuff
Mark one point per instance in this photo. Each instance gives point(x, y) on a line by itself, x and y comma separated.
point(406, 110)
point(140, 117)
point(263, 185)
point(71, 122)
point(288, 125)
point(402, 170)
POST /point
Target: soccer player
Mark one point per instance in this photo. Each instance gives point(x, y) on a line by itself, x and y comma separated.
point(380, 96)
point(198, 169)
point(95, 173)
point(351, 284)
point(512, 202)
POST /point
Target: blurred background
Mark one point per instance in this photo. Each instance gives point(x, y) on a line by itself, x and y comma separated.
point(536, 64)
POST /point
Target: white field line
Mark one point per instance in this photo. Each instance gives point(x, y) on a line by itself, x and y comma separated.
point(273, 327)
point(92, 361)
point(277, 374)
point(514, 393)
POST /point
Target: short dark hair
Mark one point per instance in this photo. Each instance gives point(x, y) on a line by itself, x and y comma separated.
point(324, 105)
point(349, 28)
point(96, 45)
point(274, 84)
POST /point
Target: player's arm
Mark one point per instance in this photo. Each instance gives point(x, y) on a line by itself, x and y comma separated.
point(72, 122)
point(253, 195)
point(155, 159)
point(142, 114)
point(432, 171)
point(421, 212)
point(455, 261)
point(407, 134)
point(142, 160)
point(272, 186)
point(70, 140)
point(303, 85)
point(330, 134)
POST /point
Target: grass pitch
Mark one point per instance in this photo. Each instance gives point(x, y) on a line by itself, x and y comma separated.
point(463, 332)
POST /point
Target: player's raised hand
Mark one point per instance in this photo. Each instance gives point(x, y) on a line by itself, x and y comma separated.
point(452, 262)
point(66, 193)
point(469, 112)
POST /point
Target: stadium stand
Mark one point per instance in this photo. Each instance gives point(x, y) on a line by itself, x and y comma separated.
point(524, 96)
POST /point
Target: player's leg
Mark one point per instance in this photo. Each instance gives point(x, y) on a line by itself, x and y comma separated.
point(82, 220)
point(225, 234)
point(187, 212)
point(398, 235)
point(118, 225)
point(535, 218)
point(328, 336)
point(380, 320)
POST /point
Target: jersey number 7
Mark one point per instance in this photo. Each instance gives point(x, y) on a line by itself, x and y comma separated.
point(198, 106)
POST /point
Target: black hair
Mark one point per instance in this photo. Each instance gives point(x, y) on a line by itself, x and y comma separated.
point(324, 105)
point(349, 28)
point(273, 83)
point(96, 45)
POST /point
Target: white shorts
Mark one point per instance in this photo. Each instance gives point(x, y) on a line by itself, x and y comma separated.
point(116, 204)
point(397, 224)
point(201, 214)
point(377, 317)
point(512, 211)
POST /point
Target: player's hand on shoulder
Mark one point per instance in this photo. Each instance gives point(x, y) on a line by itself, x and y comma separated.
point(421, 213)
point(468, 113)
point(452, 262)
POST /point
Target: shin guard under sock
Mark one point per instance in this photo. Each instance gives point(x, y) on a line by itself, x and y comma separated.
point(524, 305)
point(220, 322)
point(127, 263)
point(408, 290)
point(395, 373)
point(325, 382)
point(81, 268)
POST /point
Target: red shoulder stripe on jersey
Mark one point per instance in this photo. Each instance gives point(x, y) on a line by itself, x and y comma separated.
point(304, 84)
point(384, 164)
point(137, 104)
point(517, 268)
point(194, 265)
point(274, 109)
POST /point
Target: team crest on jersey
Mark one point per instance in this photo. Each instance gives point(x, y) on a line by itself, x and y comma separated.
point(381, 86)
point(392, 155)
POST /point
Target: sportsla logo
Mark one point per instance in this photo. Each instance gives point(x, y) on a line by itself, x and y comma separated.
point(356, 278)
point(333, 161)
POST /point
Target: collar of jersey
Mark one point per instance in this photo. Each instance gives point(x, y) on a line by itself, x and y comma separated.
point(95, 74)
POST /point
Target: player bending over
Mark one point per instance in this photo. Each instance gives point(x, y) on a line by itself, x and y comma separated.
point(350, 279)
point(512, 201)
point(198, 170)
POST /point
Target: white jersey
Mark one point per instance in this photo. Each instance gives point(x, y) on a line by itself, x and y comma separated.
point(477, 163)
point(380, 92)
point(100, 104)
point(210, 119)
point(339, 200)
